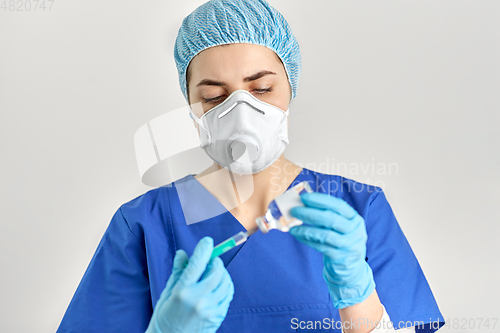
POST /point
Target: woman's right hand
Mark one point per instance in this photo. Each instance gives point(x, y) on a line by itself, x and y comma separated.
point(189, 305)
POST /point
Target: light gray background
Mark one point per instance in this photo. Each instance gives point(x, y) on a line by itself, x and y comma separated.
point(414, 83)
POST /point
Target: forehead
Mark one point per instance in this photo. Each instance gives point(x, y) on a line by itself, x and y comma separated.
point(231, 59)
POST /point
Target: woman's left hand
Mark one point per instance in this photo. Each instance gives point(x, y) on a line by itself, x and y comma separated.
point(335, 229)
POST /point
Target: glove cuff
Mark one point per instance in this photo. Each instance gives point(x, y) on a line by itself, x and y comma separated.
point(353, 293)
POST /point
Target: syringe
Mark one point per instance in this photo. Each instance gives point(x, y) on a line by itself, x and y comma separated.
point(231, 242)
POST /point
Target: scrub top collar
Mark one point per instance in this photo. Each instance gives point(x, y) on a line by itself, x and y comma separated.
point(192, 193)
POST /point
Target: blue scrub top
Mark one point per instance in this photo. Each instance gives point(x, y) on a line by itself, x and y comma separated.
point(278, 281)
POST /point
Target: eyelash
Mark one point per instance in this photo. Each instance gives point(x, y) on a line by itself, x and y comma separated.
point(259, 92)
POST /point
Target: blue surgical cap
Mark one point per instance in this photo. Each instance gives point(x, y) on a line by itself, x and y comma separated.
point(218, 22)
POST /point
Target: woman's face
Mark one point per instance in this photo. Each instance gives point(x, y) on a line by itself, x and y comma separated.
point(218, 71)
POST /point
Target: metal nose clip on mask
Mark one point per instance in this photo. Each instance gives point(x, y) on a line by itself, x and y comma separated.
point(243, 133)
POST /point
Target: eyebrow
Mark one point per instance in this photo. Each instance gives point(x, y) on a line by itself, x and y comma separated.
point(208, 82)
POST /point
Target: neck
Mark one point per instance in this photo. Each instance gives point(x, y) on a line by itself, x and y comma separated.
point(249, 193)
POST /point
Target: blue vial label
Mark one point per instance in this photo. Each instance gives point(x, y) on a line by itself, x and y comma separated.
point(275, 211)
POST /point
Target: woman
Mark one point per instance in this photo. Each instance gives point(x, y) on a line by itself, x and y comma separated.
point(349, 262)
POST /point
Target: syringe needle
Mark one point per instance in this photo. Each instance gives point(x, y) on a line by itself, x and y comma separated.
point(251, 231)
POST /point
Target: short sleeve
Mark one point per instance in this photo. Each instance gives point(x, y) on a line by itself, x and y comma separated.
point(400, 281)
point(114, 293)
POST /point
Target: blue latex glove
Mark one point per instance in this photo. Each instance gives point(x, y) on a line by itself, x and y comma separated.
point(338, 231)
point(189, 305)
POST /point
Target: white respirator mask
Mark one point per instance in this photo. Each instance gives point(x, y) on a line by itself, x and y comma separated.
point(243, 134)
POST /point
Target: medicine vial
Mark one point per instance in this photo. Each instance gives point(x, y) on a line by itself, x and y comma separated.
point(278, 213)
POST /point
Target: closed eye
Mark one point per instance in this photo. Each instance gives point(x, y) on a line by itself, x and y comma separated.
point(263, 91)
point(259, 92)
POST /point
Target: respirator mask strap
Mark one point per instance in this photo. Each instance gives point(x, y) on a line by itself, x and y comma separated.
point(204, 132)
point(283, 130)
